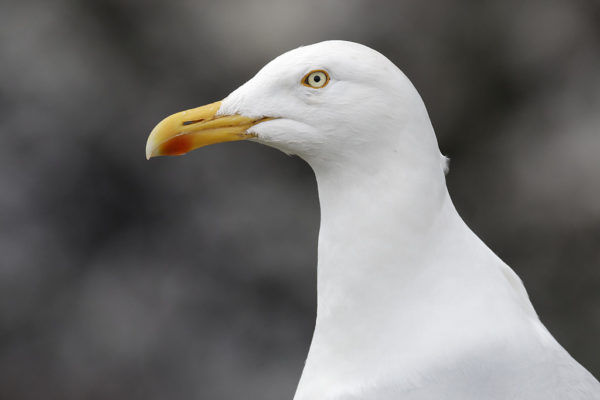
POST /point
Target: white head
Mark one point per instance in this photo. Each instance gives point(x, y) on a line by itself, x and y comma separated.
point(355, 107)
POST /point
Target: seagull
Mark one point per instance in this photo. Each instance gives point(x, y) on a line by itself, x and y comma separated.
point(411, 303)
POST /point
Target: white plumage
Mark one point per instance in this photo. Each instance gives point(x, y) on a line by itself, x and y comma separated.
point(411, 303)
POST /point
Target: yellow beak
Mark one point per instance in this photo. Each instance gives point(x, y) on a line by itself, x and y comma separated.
point(185, 131)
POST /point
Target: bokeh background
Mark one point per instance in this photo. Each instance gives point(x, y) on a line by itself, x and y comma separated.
point(194, 277)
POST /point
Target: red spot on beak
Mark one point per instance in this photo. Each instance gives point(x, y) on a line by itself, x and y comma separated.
point(176, 146)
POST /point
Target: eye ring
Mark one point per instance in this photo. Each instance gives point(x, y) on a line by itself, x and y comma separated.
point(316, 79)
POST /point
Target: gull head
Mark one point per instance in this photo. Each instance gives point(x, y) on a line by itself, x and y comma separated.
point(327, 103)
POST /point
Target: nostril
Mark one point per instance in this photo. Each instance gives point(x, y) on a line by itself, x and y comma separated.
point(192, 122)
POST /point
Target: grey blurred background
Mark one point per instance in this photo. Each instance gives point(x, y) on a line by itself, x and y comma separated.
point(194, 277)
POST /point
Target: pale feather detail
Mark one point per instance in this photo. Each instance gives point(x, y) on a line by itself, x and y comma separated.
point(411, 303)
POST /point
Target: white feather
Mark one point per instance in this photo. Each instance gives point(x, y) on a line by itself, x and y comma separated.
point(411, 304)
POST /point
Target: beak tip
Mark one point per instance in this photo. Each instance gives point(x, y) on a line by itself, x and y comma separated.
point(149, 151)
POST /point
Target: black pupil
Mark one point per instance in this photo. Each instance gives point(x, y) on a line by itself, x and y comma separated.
point(317, 78)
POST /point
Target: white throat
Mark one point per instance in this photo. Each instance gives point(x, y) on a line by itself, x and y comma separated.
point(395, 280)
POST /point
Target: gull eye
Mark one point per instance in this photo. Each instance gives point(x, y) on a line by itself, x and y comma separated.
point(316, 79)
